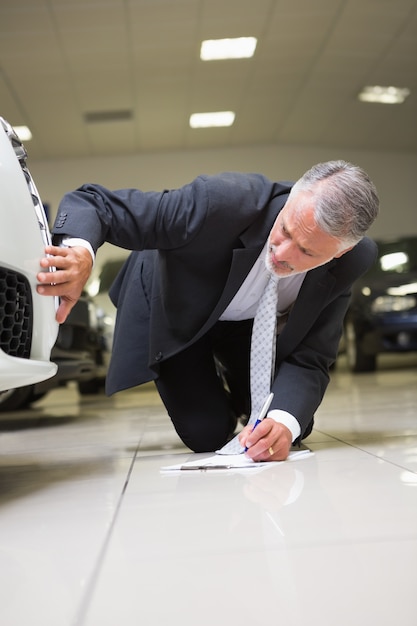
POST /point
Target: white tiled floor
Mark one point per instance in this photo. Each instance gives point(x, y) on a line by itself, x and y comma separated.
point(92, 534)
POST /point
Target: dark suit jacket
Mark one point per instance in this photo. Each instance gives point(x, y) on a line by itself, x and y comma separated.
point(197, 245)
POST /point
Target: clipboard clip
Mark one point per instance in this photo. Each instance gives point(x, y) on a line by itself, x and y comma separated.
point(204, 468)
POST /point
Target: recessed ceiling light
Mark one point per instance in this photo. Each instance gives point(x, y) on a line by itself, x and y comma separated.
point(209, 120)
point(236, 48)
point(384, 95)
point(23, 133)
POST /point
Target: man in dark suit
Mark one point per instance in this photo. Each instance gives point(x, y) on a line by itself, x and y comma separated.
point(187, 298)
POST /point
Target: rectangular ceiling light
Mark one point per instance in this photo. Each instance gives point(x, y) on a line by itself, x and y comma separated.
point(236, 48)
point(23, 132)
point(383, 95)
point(210, 120)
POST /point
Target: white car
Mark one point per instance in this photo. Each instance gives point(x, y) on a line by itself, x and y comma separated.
point(28, 329)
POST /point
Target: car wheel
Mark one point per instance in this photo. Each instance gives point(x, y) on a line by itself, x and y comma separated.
point(357, 360)
point(14, 399)
point(88, 387)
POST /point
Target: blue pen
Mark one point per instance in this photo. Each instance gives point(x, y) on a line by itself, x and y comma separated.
point(262, 413)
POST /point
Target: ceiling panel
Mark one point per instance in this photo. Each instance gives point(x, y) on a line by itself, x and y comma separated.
point(61, 59)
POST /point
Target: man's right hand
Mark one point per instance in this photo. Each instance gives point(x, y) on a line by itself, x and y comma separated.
point(73, 268)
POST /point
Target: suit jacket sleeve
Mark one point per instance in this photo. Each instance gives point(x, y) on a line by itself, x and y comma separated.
point(167, 220)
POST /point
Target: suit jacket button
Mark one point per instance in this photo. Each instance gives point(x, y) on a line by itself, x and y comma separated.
point(60, 221)
point(158, 356)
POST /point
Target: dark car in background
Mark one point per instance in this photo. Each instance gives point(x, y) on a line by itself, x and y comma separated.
point(98, 288)
point(382, 316)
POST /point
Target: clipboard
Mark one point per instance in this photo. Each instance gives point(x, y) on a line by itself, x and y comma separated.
point(231, 462)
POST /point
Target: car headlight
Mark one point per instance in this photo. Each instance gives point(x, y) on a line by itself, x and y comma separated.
point(388, 304)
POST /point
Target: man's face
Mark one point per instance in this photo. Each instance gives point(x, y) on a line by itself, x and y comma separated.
point(295, 243)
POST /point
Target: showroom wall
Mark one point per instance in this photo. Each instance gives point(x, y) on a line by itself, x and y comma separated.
point(393, 173)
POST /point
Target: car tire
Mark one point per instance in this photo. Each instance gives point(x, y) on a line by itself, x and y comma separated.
point(357, 360)
point(15, 399)
point(89, 387)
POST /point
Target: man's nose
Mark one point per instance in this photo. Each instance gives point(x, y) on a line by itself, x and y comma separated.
point(283, 249)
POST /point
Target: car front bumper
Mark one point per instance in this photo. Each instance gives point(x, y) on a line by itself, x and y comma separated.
point(23, 235)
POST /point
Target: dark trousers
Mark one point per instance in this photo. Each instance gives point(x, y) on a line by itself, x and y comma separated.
point(192, 386)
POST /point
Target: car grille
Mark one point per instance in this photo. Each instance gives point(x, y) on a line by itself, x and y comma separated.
point(16, 317)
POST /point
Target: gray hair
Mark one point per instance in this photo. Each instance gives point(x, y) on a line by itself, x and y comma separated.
point(345, 198)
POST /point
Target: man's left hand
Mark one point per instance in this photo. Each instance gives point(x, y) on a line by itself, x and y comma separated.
point(269, 441)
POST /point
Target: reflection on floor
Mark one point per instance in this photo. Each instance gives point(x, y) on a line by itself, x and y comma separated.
point(92, 534)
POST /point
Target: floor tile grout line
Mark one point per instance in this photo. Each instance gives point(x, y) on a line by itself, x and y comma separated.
point(375, 456)
point(83, 608)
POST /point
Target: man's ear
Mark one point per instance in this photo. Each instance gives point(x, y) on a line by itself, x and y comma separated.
point(337, 256)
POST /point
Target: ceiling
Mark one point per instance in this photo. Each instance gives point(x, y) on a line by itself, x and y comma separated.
point(63, 62)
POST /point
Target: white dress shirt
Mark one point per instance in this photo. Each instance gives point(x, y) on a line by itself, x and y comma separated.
point(244, 305)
